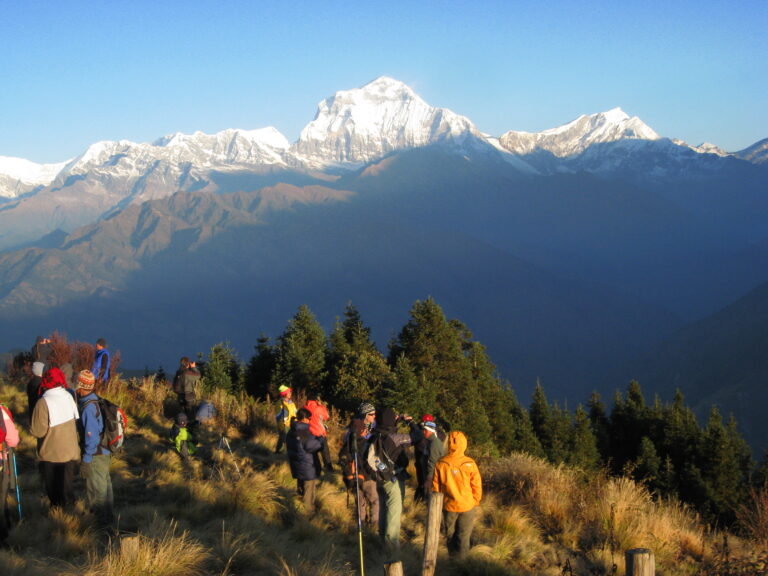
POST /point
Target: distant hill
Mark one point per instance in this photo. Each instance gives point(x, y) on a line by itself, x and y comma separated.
point(721, 360)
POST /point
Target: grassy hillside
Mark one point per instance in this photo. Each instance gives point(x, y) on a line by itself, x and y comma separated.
point(235, 513)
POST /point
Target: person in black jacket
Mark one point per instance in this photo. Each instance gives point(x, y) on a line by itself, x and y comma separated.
point(303, 450)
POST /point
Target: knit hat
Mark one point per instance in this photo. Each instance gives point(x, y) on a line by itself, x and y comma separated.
point(181, 419)
point(284, 390)
point(427, 418)
point(86, 380)
point(366, 408)
point(38, 368)
point(53, 378)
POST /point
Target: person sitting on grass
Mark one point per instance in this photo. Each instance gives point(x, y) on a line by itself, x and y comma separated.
point(182, 437)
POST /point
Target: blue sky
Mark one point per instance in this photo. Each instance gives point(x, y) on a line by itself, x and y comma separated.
point(74, 73)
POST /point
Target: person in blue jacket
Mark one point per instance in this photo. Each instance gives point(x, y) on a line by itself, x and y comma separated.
point(101, 368)
point(96, 459)
point(303, 448)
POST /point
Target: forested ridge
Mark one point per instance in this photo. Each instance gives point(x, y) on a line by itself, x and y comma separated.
point(434, 365)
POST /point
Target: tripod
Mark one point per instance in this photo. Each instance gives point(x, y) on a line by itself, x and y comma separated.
point(224, 444)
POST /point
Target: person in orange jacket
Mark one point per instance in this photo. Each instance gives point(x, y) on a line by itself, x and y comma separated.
point(458, 478)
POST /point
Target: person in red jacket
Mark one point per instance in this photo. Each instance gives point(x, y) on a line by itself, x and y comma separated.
point(458, 478)
point(319, 429)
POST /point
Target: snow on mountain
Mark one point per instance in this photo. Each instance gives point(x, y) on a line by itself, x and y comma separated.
point(18, 176)
point(361, 125)
point(576, 136)
point(709, 148)
point(757, 153)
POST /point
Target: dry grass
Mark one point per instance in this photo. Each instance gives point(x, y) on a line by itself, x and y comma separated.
point(232, 510)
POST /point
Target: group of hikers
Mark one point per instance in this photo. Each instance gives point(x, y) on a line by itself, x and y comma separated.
point(374, 461)
point(65, 415)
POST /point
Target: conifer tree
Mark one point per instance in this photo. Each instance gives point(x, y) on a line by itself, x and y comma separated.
point(435, 349)
point(222, 369)
point(600, 426)
point(582, 451)
point(725, 468)
point(301, 353)
point(356, 369)
point(260, 369)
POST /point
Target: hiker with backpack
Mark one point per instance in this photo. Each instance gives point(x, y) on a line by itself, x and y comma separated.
point(458, 478)
point(319, 428)
point(354, 473)
point(387, 460)
point(303, 448)
point(54, 424)
point(96, 457)
point(184, 383)
point(285, 416)
point(9, 439)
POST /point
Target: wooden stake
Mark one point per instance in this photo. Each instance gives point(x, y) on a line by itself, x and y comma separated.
point(393, 569)
point(640, 562)
point(432, 536)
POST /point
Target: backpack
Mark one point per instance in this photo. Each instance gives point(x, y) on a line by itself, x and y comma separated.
point(347, 463)
point(115, 423)
point(377, 462)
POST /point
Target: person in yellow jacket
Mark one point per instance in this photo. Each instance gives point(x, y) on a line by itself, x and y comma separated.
point(285, 416)
point(458, 478)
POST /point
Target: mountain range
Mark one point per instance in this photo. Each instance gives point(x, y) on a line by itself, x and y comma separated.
point(571, 253)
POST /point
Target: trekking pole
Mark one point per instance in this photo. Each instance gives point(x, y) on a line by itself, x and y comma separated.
point(357, 504)
point(16, 479)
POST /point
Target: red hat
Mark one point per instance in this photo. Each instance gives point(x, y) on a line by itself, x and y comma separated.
point(427, 418)
point(53, 378)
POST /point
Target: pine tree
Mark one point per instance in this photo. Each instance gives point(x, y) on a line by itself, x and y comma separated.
point(356, 369)
point(600, 426)
point(260, 369)
point(221, 369)
point(437, 351)
point(301, 353)
point(724, 466)
point(582, 451)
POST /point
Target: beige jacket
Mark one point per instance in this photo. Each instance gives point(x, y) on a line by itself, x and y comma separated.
point(57, 443)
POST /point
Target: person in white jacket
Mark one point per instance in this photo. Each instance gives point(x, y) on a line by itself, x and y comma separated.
point(54, 424)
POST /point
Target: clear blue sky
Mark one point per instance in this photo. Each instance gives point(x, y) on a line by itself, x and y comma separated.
point(73, 73)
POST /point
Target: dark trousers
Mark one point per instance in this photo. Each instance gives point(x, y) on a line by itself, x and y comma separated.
point(5, 484)
point(306, 489)
point(458, 530)
point(59, 480)
point(281, 436)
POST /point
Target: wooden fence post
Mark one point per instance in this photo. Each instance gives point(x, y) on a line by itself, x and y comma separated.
point(640, 562)
point(432, 536)
point(393, 569)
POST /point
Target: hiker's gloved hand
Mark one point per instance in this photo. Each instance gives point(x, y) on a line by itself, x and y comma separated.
point(85, 470)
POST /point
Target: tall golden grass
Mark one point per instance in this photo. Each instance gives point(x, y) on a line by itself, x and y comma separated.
point(232, 510)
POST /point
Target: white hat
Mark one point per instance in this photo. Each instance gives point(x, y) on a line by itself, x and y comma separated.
point(38, 368)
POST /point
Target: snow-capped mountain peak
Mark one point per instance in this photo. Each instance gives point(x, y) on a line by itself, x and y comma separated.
point(29, 172)
point(366, 123)
point(576, 136)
